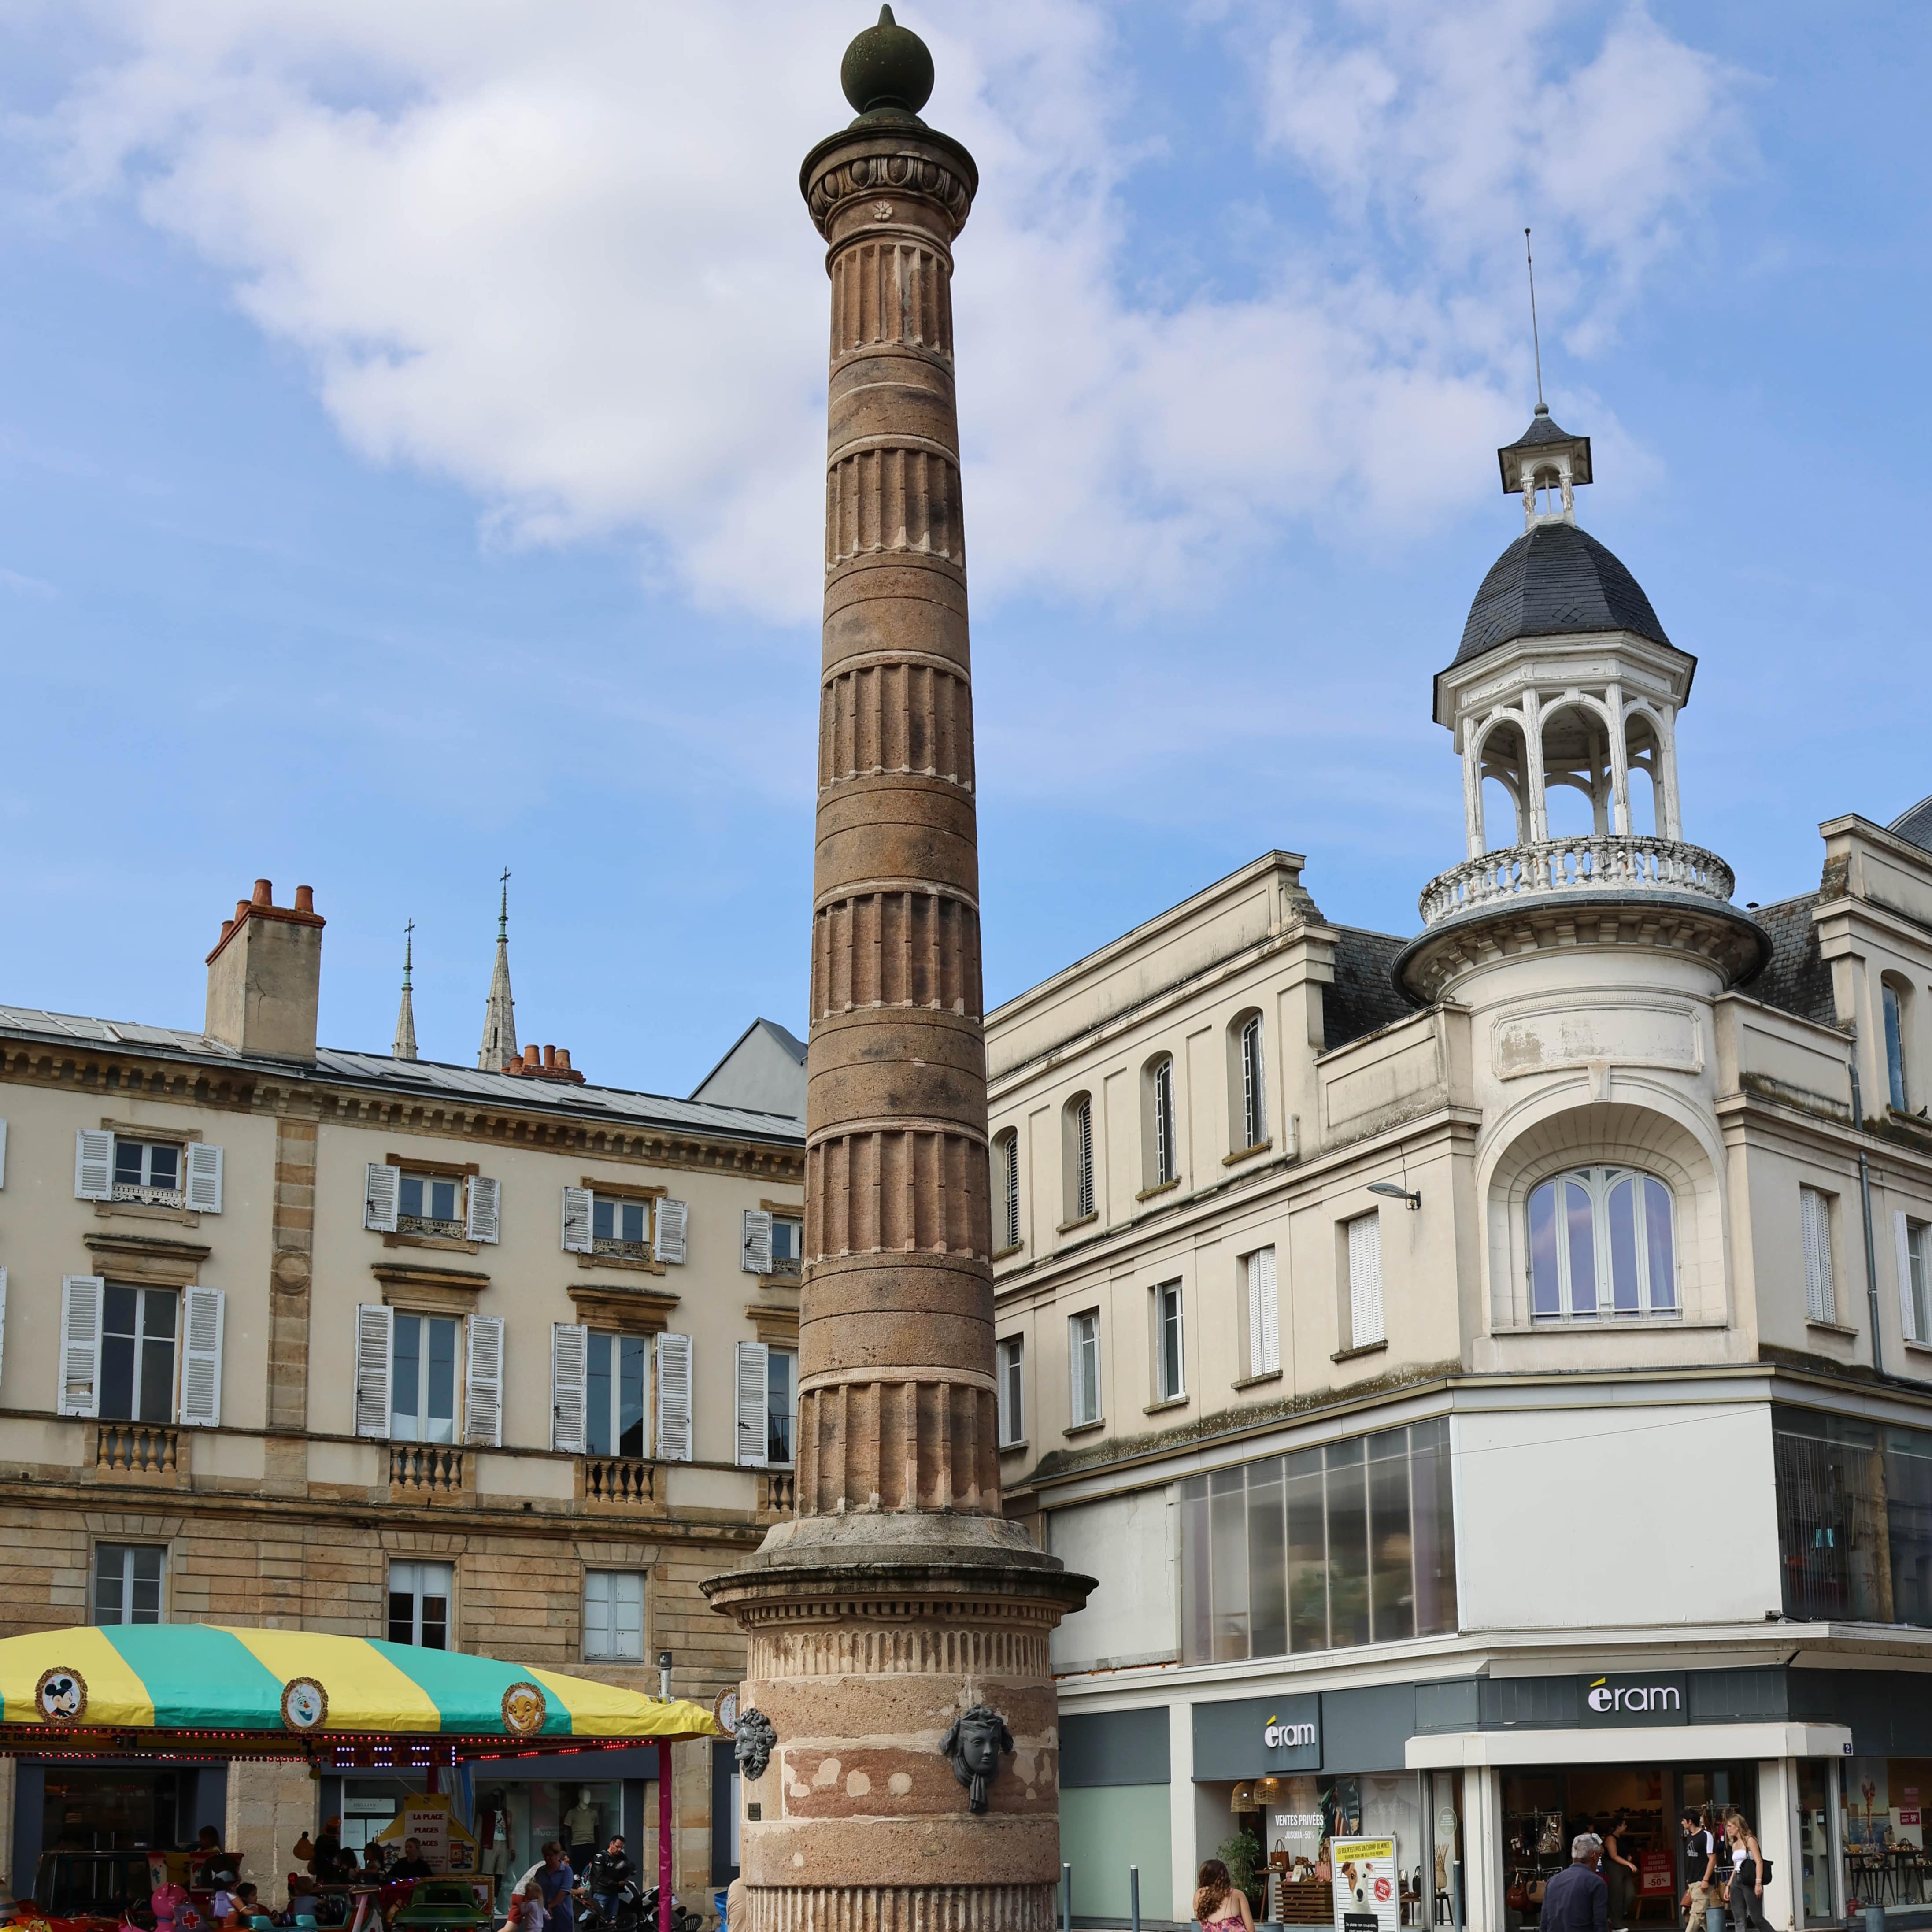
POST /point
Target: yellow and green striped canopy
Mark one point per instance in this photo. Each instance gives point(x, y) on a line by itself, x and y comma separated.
point(205, 1677)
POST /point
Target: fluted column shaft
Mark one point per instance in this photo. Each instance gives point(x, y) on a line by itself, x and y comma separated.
point(896, 1396)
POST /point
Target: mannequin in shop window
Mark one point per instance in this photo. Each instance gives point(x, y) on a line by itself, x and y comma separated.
point(580, 1829)
point(493, 1842)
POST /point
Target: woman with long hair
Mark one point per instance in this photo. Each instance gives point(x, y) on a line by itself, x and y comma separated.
point(1217, 1903)
point(1745, 1900)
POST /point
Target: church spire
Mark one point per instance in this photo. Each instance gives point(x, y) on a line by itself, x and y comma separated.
point(500, 1015)
point(405, 1047)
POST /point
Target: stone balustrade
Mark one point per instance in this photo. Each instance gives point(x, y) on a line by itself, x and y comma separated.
point(1595, 861)
point(419, 1468)
point(137, 1449)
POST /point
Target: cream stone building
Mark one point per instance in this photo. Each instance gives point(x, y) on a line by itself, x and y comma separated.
point(487, 1358)
point(1489, 1371)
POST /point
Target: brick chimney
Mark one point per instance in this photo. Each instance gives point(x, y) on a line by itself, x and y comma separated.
point(265, 976)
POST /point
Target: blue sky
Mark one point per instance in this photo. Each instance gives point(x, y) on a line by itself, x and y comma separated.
point(411, 422)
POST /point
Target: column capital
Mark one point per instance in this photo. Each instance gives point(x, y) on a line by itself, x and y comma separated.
point(876, 161)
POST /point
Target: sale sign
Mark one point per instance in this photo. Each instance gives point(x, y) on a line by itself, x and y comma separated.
point(1368, 1891)
point(1659, 1879)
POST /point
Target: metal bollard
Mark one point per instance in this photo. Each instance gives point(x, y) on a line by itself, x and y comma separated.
point(1456, 1893)
point(1066, 1898)
point(1134, 1895)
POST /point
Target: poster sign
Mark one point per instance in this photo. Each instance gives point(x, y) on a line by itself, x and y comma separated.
point(429, 1819)
point(1657, 1878)
point(1368, 1894)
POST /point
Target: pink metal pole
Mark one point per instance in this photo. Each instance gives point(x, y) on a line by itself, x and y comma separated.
point(665, 1908)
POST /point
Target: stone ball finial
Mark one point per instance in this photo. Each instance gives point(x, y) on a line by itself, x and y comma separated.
point(887, 66)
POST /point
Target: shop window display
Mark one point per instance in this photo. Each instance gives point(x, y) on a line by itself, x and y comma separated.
point(1882, 1830)
point(1542, 1810)
point(1350, 1544)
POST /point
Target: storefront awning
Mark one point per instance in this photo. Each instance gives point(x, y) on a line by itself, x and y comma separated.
point(297, 1693)
point(1647, 1743)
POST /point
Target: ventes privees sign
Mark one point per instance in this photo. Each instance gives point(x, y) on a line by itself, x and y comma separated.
point(1635, 1698)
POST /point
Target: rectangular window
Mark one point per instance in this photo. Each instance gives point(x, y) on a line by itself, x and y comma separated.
point(430, 1204)
point(1084, 1354)
point(613, 1616)
point(1170, 1363)
point(620, 1227)
point(138, 1327)
point(1917, 1286)
point(1365, 1281)
point(1012, 1410)
point(787, 1246)
point(781, 1405)
point(1353, 1543)
point(127, 1580)
point(422, 1379)
point(419, 1602)
point(616, 1366)
point(1814, 1218)
point(1264, 1306)
point(149, 1171)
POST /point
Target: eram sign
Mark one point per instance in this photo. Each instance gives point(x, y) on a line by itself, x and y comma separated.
point(1635, 1698)
point(1286, 1737)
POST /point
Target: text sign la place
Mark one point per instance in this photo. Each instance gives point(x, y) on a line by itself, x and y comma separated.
point(1635, 1697)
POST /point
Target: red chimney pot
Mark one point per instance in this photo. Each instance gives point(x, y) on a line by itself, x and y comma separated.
point(241, 912)
point(549, 1058)
point(304, 898)
point(563, 1059)
point(265, 893)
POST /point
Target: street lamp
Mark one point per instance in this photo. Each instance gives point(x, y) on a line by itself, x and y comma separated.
point(1395, 1193)
point(664, 1673)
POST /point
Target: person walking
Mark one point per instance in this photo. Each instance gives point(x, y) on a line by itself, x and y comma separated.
point(557, 1883)
point(1215, 1901)
point(1700, 1870)
point(1744, 1900)
point(1620, 1870)
point(1576, 1900)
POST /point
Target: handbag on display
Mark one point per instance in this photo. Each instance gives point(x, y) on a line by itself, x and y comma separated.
point(1517, 1896)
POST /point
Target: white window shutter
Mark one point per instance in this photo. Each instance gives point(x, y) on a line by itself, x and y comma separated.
point(577, 1220)
point(756, 1259)
point(93, 1165)
point(1908, 1320)
point(1814, 1217)
point(674, 1398)
point(483, 1383)
point(667, 1244)
point(569, 1386)
point(754, 1384)
point(375, 1338)
point(204, 1177)
point(382, 1193)
point(81, 1296)
point(597, 1613)
point(3, 1154)
point(481, 1221)
point(1365, 1281)
point(202, 1315)
point(1264, 1315)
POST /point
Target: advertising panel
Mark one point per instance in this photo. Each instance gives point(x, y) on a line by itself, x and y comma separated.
point(1368, 1893)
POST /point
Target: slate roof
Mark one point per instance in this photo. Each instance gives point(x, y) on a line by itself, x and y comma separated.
point(422, 1078)
point(1795, 978)
point(1363, 996)
point(1553, 579)
point(1915, 825)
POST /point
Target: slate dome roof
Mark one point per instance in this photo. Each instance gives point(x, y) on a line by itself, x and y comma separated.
point(1915, 825)
point(1554, 580)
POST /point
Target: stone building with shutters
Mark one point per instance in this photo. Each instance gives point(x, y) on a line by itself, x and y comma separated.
point(493, 1358)
point(1489, 1368)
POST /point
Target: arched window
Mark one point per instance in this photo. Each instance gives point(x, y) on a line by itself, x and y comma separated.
point(1166, 1166)
point(1078, 1157)
point(1894, 999)
point(1006, 1172)
point(1602, 1242)
point(1247, 1084)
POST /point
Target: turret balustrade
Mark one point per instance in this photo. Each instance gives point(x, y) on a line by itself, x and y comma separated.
point(1592, 862)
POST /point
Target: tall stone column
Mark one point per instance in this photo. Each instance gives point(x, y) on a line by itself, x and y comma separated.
point(899, 1607)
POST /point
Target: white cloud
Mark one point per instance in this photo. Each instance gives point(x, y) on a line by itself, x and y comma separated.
point(555, 253)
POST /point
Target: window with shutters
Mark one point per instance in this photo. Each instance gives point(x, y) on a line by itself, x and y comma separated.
point(1602, 1244)
point(139, 1327)
point(149, 1172)
point(1077, 1158)
point(1012, 1391)
point(620, 1226)
point(128, 1578)
point(422, 1377)
point(613, 1616)
point(1916, 1278)
point(431, 1204)
point(1814, 1227)
point(1364, 1241)
point(1170, 1346)
point(1162, 1161)
point(1261, 1302)
point(419, 1603)
point(1247, 1085)
point(781, 1406)
point(1006, 1179)
point(788, 1245)
point(615, 1378)
point(1083, 1337)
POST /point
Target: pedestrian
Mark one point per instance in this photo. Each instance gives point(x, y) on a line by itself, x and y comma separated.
point(526, 1909)
point(607, 1874)
point(1744, 1899)
point(412, 1864)
point(556, 1881)
point(1700, 1869)
point(1576, 1900)
point(1215, 1901)
point(1620, 1871)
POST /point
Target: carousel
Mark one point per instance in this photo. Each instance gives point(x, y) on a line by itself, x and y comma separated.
point(190, 1693)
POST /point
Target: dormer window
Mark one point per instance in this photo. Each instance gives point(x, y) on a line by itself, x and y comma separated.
point(149, 1171)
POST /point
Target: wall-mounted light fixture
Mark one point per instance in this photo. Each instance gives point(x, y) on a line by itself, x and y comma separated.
point(1394, 1193)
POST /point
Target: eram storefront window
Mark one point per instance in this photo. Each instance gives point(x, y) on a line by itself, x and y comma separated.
point(1883, 1832)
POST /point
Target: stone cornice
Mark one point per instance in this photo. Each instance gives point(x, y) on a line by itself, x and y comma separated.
point(911, 159)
